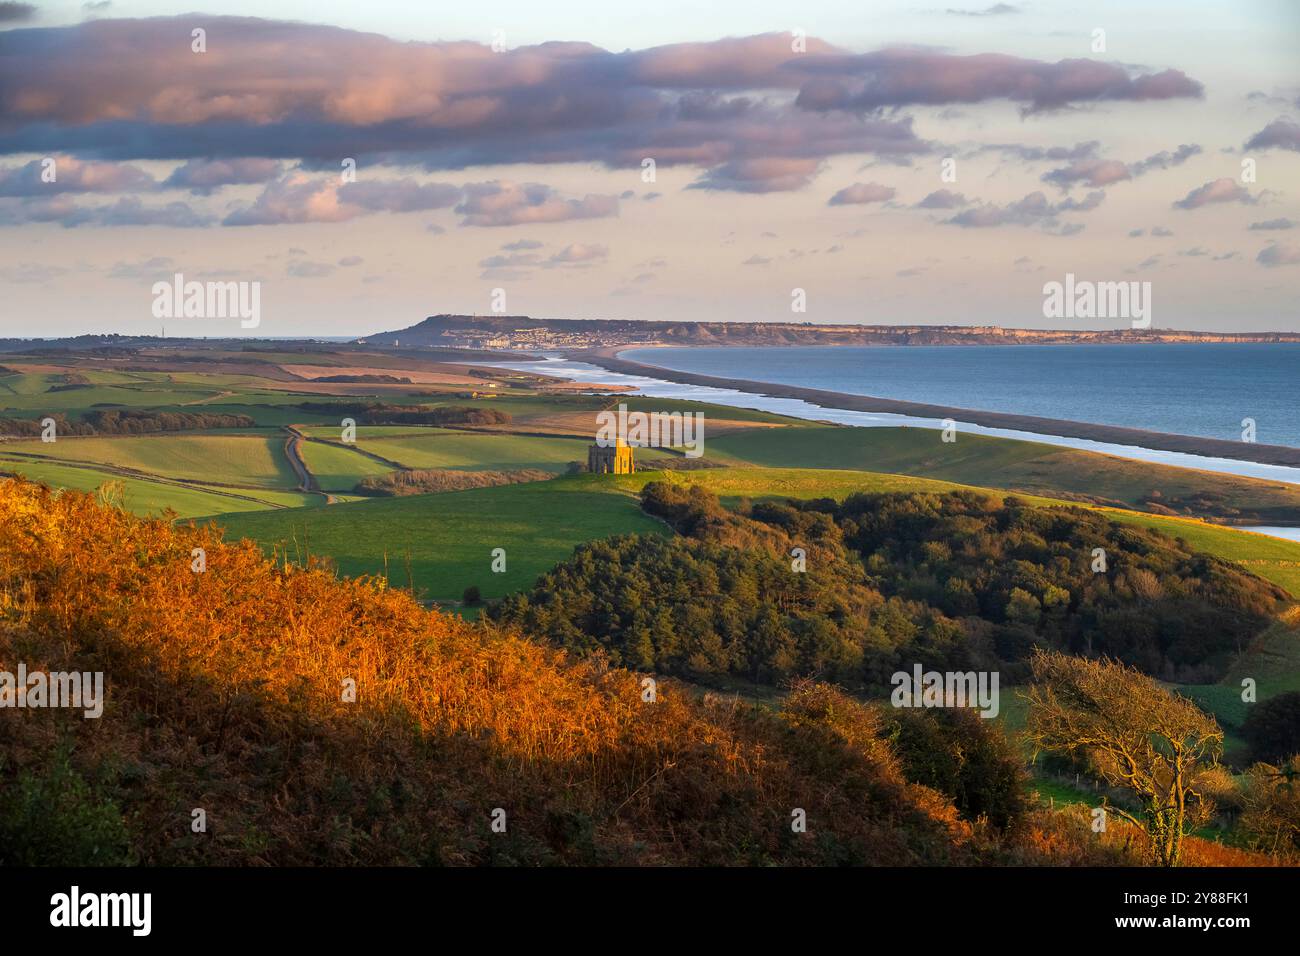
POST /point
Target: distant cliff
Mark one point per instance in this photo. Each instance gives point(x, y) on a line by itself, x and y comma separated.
point(521, 331)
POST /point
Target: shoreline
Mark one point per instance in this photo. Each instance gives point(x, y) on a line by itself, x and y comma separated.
point(608, 359)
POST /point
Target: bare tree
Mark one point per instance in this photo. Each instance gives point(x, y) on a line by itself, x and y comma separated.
point(1135, 734)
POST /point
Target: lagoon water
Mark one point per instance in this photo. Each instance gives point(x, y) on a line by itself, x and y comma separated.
point(1183, 389)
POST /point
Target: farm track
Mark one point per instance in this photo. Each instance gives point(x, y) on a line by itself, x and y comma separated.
point(306, 480)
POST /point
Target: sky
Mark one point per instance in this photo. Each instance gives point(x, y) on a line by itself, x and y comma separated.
point(367, 165)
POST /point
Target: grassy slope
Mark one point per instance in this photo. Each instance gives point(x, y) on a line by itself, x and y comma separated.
point(1001, 463)
point(338, 468)
point(152, 498)
point(451, 536)
point(248, 460)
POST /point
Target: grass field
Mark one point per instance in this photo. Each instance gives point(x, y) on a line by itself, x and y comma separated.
point(338, 468)
point(1004, 463)
point(450, 537)
point(477, 452)
point(243, 460)
point(151, 497)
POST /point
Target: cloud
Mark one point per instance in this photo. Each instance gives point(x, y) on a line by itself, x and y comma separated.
point(293, 198)
point(303, 269)
point(759, 175)
point(300, 198)
point(11, 12)
point(860, 193)
point(513, 261)
point(504, 203)
point(127, 211)
point(1033, 209)
point(1277, 254)
point(1273, 224)
point(347, 262)
point(756, 260)
point(1165, 159)
point(943, 199)
point(399, 195)
point(1217, 191)
point(519, 264)
point(578, 252)
point(1093, 172)
point(1280, 133)
point(126, 89)
point(1085, 150)
point(915, 77)
point(1160, 232)
point(72, 175)
point(150, 268)
point(204, 176)
point(36, 272)
point(997, 10)
point(1104, 172)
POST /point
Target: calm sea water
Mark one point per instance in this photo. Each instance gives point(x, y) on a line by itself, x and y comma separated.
point(1192, 389)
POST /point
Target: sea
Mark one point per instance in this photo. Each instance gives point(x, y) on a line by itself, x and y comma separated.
point(1182, 389)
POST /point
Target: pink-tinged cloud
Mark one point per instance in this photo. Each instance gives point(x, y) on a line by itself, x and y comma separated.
point(1279, 134)
point(295, 198)
point(68, 174)
point(1217, 191)
point(860, 193)
point(1278, 254)
point(1092, 172)
point(578, 252)
point(1096, 172)
point(267, 89)
point(299, 198)
point(911, 77)
point(504, 203)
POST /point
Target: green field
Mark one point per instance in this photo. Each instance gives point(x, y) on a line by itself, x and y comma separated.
point(153, 497)
point(473, 451)
point(242, 460)
point(1004, 463)
point(450, 537)
point(338, 468)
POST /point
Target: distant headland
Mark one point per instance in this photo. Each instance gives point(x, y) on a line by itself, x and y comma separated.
point(526, 332)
